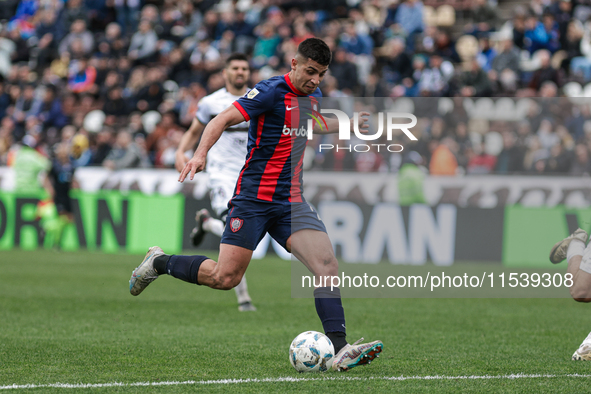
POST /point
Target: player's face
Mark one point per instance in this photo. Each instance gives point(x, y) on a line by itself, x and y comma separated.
point(237, 73)
point(307, 75)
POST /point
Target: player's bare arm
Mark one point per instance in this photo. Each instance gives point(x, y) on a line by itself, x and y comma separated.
point(214, 129)
point(188, 141)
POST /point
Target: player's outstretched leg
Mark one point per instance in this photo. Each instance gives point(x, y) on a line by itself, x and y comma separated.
point(207, 224)
point(198, 232)
point(244, 301)
point(225, 274)
point(577, 252)
point(314, 250)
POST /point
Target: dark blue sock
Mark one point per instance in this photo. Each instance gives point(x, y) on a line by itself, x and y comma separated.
point(185, 267)
point(332, 315)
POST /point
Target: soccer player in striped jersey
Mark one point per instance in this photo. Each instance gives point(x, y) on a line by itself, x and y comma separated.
point(268, 198)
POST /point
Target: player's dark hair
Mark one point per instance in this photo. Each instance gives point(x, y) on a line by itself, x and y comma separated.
point(236, 56)
point(315, 49)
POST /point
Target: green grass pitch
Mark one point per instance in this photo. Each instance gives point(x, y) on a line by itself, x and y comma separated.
point(69, 318)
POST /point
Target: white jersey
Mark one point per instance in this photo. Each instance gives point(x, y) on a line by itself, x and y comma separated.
point(226, 157)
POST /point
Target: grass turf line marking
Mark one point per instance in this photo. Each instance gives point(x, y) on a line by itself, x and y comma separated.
point(287, 379)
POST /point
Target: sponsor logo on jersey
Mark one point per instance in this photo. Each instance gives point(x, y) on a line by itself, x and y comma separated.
point(301, 132)
point(252, 93)
point(236, 224)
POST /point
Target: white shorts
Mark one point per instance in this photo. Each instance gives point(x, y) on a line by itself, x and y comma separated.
point(586, 260)
point(220, 193)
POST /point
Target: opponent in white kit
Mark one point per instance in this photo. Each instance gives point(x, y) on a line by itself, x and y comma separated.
point(224, 160)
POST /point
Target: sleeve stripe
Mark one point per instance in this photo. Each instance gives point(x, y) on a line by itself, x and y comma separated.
point(242, 111)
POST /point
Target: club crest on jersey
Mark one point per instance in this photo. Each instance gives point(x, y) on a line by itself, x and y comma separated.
point(252, 93)
point(236, 224)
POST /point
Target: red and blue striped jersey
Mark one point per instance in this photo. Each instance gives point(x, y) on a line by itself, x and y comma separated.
point(277, 139)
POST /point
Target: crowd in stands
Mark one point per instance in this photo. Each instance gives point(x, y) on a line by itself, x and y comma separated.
point(120, 80)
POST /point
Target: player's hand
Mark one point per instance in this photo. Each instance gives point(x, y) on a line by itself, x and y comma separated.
point(180, 160)
point(362, 122)
point(193, 166)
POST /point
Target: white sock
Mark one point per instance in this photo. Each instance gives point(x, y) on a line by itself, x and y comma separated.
point(242, 291)
point(215, 226)
point(575, 248)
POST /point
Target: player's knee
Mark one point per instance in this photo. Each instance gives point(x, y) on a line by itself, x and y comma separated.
point(228, 281)
point(327, 265)
point(580, 294)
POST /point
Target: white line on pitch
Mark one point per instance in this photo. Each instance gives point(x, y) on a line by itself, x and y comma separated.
point(286, 379)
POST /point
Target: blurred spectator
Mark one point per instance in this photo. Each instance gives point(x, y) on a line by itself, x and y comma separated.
point(510, 160)
point(167, 146)
point(474, 82)
point(80, 154)
point(20, 50)
point(559, 160)
point(4, 99)
point(50, 35)
point(486, 55)
point(125, 153)
point(344, 71)
point(74, 10)
point(266, 43)
point(23, 107)
point(142, 48)
point(581, 164)
point(369, 162)
point(481, 162)
point(507, 59)
point(102, 147)
point(361, 46)
point(151, 95)
point(535, 154)
point(443, 161)
point(79, 39)
point(541, 34)
point(445, 46)
point(180, 66)
point(115, 105)
point(410, 180)
point(434, 79)
point(397, 64)
point(374, 87)
point(205, 59)
point(127, 12)
point(484, 18)
point(518, 32)
point(163, 128)
point(82, 76)
point(546, 135)
point(409, 17)
point(49, 109)
point(112, 44)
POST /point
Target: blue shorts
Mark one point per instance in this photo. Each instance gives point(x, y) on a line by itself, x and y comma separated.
point(248, 221)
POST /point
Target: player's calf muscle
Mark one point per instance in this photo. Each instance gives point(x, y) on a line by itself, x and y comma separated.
point(219, 276)
point(325, 266)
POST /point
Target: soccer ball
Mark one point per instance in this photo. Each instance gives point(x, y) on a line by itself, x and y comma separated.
point(311, 351)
